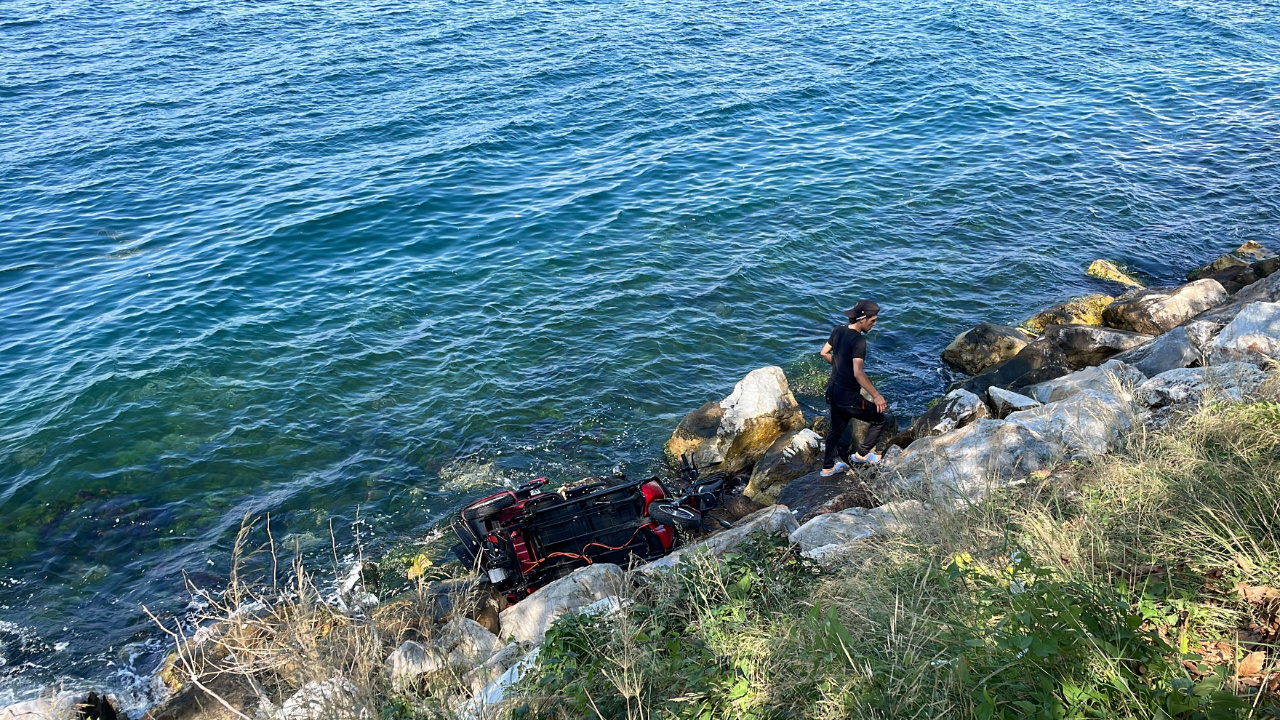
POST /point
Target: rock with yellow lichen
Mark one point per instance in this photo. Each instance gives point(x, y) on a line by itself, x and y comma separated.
point(1085, 310)
point(1105, 270)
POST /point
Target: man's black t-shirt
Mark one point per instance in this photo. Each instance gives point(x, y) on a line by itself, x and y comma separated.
point(846, 344)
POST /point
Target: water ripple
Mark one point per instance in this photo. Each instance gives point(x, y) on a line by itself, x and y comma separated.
point(312, 258)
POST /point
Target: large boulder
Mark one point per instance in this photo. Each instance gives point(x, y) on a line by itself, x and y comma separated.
point(1252, 336)
point(825, 533)
point(970, 461)
point(1158, 310)
point(460, 646)
point(529, 619)
point(1085, 310)
point(1037, 362)
point(1106, 270)
point(1086, 345)
point(1233, 381)
point(738, 430)
point(773, 520)
point(796, 453)
point(1105, 378)
point(332, 699)
point(1226, 262)
point(478, 678)
point(1174, 349)
point(959, 408)
point(1267, 290)
point(978, 348)
point(1004, 402)
point(1087, 423)
point(813, 494)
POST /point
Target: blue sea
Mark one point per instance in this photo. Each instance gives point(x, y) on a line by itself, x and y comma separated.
point(348, 263)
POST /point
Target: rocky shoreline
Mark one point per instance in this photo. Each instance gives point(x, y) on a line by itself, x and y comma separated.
point(1068, 383)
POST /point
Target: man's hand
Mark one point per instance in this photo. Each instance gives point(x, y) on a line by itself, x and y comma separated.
point(881, 404)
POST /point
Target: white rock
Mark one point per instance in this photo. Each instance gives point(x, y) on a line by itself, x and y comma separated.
point(1158, 310)
point(795, 454)
point(970, 461)
point(332, 699)
point(469, 643)
point(959, 408)
point(739, 429)
point(853, 524)
point(1233, 381)
point(1086, 423)
point(1105, 378)
point(1252, 336)
point(480, 706)
point(773, 520)
point(412, 659)
point(476, 680)
point(529, 619)
point(1007, 401)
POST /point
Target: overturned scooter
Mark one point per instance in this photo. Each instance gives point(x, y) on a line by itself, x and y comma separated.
point(524, 538)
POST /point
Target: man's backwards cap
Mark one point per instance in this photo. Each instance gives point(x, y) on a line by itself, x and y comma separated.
point(864, 309)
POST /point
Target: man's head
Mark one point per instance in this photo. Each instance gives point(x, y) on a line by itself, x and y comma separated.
point(863, 315)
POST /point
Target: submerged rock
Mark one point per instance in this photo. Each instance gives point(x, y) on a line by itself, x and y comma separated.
point(980, 347)
point(794, 454)
point(1106, 270)
point(1252, 336)
point(1158, 310)
point(738, 430)
point(1037, 362)
point(1007, 401)
point(1226, 262)
point(1252, 252)
point(1085, 310)
point(1086, 345)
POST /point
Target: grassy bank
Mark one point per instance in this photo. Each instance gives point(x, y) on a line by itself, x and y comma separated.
point(1133, 585)
point(1141, 584)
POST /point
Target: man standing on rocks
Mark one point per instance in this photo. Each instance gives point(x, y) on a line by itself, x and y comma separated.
point(846, 350)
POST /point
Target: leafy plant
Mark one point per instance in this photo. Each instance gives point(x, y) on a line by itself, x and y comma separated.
point(1038, 646)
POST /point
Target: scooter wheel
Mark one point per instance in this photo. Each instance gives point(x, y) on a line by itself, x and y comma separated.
point(488, 508)
point(670, 512)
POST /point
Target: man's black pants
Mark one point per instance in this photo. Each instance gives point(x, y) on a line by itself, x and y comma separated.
point(846, 406)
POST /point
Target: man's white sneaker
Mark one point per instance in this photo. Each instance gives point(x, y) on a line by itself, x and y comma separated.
point(840, 467)
point(870, 458)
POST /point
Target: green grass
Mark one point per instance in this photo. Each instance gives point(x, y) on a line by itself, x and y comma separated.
point(1104, 589)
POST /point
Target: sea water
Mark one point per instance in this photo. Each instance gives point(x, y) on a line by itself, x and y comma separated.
point(347, 264)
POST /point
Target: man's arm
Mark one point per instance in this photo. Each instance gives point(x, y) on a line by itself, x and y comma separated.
point(826, 353)
point(861, 374)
